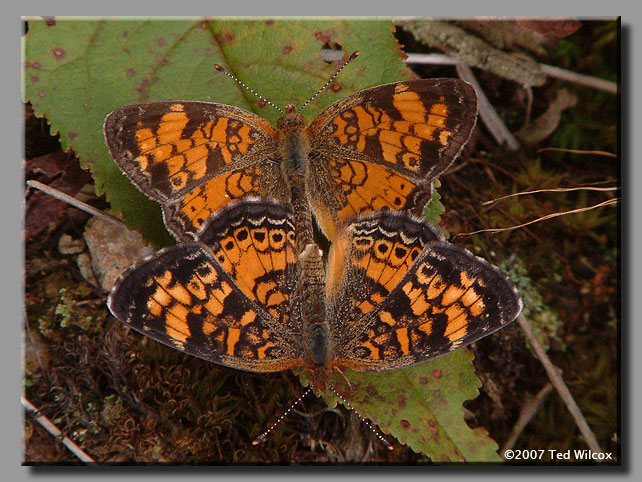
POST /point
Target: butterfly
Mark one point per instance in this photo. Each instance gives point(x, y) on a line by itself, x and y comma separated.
point(380, 148)
point(393, 294)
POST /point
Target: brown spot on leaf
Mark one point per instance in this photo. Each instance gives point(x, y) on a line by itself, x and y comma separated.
point(322, 37)
point(49, 21)
point(405, 424)
point(423, 380)
point(59, 53)
point(34, 78)
point(161, 42)
point(436, 373)
point(130, 73)
point(401, 401)
point(269, 22)
point(371, 390)
point(335, 88)
point(261, 103)
point(144, 85)
point(36, 65)
point(72, 135)
point(224, 37)
point(287, 49)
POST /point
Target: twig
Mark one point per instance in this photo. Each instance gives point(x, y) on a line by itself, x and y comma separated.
point(488, 115)
point(431, 59)
point(560, 386)
point(74, 202)
point(529, 410)
point(55, 431)
point(457, 42)
point(586, 80)
point(495, 166)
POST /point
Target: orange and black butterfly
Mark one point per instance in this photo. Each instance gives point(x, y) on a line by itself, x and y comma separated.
point(394, 294)
point(380, 148)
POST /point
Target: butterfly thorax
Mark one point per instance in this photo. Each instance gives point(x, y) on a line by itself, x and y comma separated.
point(293, 143)
point(293, 148)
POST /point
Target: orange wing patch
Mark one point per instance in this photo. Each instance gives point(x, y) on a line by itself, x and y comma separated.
point(363, 187)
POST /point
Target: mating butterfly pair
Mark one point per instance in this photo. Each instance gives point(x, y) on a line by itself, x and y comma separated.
point(247, 288)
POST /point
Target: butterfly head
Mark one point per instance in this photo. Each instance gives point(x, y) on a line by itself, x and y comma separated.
point(291, 119)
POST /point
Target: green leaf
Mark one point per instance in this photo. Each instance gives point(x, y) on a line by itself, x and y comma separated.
point(434, 209)
point(421, 406)
point(77, 72)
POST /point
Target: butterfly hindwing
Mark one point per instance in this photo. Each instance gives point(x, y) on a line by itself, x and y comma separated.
point(253, 241)
point(377, 250)
point(185, 298)
point(446, 298)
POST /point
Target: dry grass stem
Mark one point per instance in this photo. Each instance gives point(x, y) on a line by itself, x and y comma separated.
point(56, 432)
point(543, 218)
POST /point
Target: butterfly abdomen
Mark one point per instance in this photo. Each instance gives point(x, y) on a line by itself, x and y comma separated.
point(311, 295)
point(318, 345)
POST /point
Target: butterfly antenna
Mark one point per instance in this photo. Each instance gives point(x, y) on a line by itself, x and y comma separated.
point(368, 424)
point(260, 438)
point(353, 56)
point(221, 69)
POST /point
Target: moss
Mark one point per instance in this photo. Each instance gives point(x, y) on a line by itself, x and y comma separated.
point(544, 322)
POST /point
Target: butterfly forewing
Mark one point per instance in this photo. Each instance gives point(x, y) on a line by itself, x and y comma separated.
point(384, 146)
point(194, 157)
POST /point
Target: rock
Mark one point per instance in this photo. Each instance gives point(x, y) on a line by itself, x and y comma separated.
point(113, 249)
